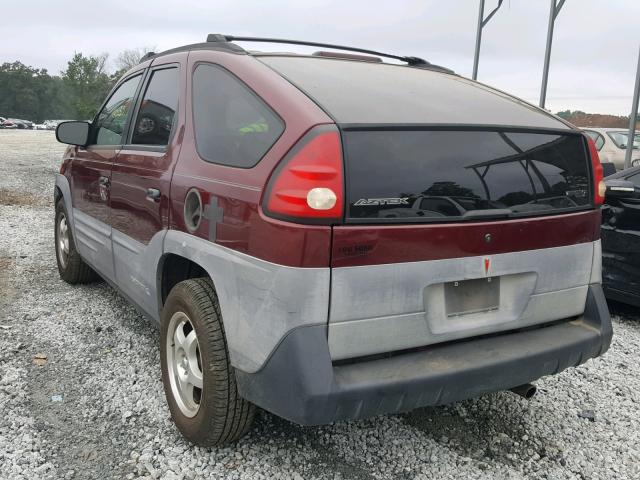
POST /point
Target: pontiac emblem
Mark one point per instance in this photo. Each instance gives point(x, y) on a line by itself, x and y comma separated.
point(487, 266)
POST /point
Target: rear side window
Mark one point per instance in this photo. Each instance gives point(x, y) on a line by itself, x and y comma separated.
point(233, 126)
point(157, 112)
point(433, 175)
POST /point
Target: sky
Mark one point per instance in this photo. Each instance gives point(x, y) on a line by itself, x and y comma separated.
point(593, 61)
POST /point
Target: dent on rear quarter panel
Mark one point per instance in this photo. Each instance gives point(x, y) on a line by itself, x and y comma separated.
point(260, 301)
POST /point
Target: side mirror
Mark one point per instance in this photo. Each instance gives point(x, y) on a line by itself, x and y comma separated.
point(620, 189)
point(73, 133)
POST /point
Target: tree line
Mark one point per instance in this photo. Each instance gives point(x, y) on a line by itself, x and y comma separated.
point(76, 93)
point(583, 119)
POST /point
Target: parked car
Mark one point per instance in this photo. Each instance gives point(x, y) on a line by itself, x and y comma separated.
point(238, 198)
point(8, 123)
point(40, 126)
point(620, 237)
point(52, 124)
point(17, 123)
point(611, 144)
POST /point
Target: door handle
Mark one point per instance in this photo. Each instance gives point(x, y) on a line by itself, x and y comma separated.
point(153, 194)
point(104, 181)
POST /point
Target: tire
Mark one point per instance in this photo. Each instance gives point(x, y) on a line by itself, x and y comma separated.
point(71, 267)
point(213, 414)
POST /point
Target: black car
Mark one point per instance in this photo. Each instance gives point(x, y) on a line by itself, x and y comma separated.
point(621, 237)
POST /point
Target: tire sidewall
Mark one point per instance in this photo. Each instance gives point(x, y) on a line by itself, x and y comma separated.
point(61, 210)
point(181, 300)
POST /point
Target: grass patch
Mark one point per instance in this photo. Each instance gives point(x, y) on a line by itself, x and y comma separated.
point(14, 198)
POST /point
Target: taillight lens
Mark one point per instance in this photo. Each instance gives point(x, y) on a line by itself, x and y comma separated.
point(599, 187)
point(308, 185)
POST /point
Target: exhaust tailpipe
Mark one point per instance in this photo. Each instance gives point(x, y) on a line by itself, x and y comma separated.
point(526, 390)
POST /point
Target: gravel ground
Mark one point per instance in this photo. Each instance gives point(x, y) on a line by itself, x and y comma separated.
point(95, 408)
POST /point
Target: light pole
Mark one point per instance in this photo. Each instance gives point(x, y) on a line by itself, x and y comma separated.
point(632, 117)
point(553, 13)
point(481, 23)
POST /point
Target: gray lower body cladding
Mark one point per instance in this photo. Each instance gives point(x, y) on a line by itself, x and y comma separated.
point(300, 383)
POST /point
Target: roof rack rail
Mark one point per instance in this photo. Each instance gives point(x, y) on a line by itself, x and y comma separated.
point(411, 61)
point(347, 56)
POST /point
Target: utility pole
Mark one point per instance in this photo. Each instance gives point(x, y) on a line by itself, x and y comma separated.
point(632, 117)
point(481, 23)
point(553, 13)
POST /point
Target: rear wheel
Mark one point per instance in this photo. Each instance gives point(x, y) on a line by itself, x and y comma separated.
point(198, 379)
point(71, 267)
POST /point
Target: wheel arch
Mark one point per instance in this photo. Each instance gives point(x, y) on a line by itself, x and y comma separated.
point(260, 301)
point(62, 191)
point(173, 269)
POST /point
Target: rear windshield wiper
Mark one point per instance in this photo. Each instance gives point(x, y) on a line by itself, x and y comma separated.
point(482, 214)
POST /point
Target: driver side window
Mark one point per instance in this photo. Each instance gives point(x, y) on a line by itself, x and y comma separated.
point(109, 126)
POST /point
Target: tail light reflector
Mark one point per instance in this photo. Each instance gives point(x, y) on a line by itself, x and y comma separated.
point(308, 185)
point(599, 187)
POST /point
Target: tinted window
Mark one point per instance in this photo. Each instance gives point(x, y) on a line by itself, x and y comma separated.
point(436, 175)
point(366, 92)
point(233, 126)
point(158, 109)
point(111, 120)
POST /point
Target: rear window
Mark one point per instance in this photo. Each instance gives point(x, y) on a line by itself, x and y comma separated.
point(435, 175)
point(233, 126)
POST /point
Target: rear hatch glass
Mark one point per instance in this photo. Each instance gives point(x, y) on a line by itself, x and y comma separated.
point(441, 175)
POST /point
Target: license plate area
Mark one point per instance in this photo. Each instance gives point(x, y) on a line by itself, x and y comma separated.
point(478, 295)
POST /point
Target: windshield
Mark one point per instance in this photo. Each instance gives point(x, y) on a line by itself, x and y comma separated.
point(621, 139)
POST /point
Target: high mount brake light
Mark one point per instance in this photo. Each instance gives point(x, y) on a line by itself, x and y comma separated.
point(308, 185)
point(599, 187)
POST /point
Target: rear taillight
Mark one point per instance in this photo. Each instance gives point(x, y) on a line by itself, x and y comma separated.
point(598, 179)
point(308, 185)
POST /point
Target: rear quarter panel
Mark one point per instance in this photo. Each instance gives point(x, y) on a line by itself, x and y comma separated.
point(238, 191)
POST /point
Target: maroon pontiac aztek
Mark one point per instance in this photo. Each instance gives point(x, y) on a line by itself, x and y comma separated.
point(330, 236)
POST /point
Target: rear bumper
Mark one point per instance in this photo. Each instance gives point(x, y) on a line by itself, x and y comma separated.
point(299, 382)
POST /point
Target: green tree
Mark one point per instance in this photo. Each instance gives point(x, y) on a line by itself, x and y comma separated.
point(128, 59)
point(86, 84)
point(28, 93)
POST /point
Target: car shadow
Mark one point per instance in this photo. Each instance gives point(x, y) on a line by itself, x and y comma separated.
point(623, 310)
point(489, 429)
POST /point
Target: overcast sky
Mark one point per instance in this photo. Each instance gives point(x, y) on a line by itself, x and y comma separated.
point(593, 61)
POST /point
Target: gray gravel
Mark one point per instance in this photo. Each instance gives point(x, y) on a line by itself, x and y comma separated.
point(96, 408)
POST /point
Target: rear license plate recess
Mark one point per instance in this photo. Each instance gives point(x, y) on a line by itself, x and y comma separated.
point(477, 295)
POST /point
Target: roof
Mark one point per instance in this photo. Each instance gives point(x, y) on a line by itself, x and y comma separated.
point(354, 92)
point(428, 93)
point(225, 43)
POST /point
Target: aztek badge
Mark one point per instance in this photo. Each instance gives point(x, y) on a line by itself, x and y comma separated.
point(381, 201)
